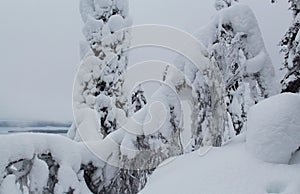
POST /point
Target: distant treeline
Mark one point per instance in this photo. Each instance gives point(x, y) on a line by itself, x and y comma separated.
point(57, 131)
point(34, 124)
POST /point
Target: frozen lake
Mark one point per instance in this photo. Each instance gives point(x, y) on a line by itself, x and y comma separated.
point(55, 130)
point(8, 127)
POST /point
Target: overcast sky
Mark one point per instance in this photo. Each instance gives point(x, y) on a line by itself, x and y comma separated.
point(39, 47)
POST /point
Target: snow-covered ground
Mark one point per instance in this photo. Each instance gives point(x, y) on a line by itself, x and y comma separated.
point(227, 170)
point(262, 160)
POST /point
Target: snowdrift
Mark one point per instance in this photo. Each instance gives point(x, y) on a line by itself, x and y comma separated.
point(228, 170)
point(262, 160)
point(273, 133)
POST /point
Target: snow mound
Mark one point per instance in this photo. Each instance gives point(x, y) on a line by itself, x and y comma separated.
point(273, 133)
point(227, 170)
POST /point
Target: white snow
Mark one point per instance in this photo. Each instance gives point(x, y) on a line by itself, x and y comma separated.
point(87, 123)
point(116, 23)
point(38, 176)
point(122, 4)
point(243, 21)
point(127, 146)
point(255, 64)
point(103, 3)
point(67, 179)
point(9, 186)
point(67, 153)
point(92, 29)
point(273, 133)
point(86, 8)
point(273, 129)
point(227, 170)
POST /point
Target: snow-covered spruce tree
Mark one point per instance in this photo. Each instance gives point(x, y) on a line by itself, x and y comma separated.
point(227, 52)
point(291, 49)
point(101, 74)
point(99, 89)
point(239, 51)
point(134, 151)
point(200, 86)
point(153, 146)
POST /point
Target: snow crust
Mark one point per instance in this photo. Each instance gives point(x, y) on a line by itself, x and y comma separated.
point(273, 133)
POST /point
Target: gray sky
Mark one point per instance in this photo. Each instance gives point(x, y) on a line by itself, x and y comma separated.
point(39, 46)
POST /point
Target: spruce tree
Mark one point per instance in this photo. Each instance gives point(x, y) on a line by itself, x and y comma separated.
point(291, 49)
point(245, 64)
